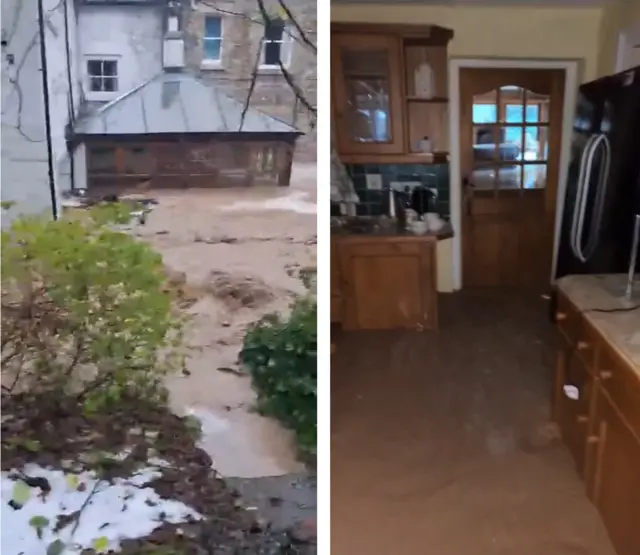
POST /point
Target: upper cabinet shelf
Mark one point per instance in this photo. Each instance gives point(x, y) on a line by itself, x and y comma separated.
point(389, 91)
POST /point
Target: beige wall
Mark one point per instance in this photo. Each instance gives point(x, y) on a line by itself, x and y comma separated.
point(506, 32)
point(617, 16)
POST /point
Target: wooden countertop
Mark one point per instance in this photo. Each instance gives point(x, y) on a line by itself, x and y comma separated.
point(594, 295)
point(391, 234)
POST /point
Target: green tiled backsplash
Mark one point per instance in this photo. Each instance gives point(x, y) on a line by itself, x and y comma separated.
point(376, 203)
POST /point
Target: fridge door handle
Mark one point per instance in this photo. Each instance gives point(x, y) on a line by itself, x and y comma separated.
point(580, 205)
point(598, 209)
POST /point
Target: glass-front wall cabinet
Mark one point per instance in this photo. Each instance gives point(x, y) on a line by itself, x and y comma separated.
point(367, 101)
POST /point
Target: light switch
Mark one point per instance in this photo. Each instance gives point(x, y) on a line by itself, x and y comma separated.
point(374, 181)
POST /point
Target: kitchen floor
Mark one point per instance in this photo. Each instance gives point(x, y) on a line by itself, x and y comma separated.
point(441, 442)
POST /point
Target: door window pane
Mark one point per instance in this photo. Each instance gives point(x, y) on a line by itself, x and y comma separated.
point(535, 176)
point(485, 109)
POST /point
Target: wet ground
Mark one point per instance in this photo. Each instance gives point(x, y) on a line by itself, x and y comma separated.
point(441, 443)
point(260, 236)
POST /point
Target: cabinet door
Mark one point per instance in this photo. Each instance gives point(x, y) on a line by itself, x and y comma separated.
point(365, 72)
point(387, 287)
point(616, 485)
point(336, 290)
point(574, 389)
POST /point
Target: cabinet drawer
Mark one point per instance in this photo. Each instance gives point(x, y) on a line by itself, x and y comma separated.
point(387, 248)
point(567, 317)
point(573, 414)
point(622, 384)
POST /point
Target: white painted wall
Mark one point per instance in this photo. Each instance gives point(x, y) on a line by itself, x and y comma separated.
point(24, 147)
point(130, 34)
point(628, 48)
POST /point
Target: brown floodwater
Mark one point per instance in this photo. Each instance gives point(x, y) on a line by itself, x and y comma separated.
point(259, 234)
point(441, 442)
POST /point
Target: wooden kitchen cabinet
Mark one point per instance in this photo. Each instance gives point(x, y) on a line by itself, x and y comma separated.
point(380, 112)
point(615, 487)
point(336, 288)
point(602, 427)
point(367, 93)
point(388, 284)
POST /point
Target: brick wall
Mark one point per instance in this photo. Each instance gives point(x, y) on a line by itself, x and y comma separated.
point(242, 33)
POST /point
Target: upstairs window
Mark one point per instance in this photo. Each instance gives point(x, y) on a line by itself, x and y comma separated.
point(276, 44)
point(212, 40)
point(103, 75)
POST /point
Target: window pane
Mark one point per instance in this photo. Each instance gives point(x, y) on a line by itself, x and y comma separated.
point(212, 49)
point(272, 53)
point(483, 178)
point(94, 67)
point(110, 67)
point(484, 107)
point(96, 84)
point(274, 29)
point(509, 177)
point(532, 114)
point(513, 113)
point(484, 113)
point(510, 144)
point(535, 176)
point(110, 84)
point(512, 104)
point(213, 27)
point(536, 143)
point(484, 144)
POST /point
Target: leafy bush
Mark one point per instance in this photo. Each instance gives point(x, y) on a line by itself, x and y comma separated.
point(280, 355)
point(84, 310)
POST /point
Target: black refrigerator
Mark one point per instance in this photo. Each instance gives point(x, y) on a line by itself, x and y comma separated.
point(603, 183)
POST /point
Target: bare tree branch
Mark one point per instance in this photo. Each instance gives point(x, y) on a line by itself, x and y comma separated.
point(252, 84)
point(303, 36)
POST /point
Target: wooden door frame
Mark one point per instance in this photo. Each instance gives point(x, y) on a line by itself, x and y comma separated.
point(571, 69)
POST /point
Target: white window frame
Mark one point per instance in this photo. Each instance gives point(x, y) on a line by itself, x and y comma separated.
point(211, 63)
point(286, 41)
point(102, 95)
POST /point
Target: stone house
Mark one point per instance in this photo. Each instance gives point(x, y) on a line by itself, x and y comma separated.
point(222, 40)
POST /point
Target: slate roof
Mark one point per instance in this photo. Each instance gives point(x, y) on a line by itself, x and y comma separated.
point(177, 103)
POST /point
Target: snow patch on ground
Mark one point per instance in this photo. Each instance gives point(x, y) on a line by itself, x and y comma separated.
point(115, 511)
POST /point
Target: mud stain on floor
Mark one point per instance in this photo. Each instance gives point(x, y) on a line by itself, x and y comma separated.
point(441, 443)
point(237, 266)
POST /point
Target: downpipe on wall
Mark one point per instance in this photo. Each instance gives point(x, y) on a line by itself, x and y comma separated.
point(72, 104)
point(47, 110)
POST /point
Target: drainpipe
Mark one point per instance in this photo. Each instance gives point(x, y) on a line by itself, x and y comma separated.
point(47, 113)
point(72, 104)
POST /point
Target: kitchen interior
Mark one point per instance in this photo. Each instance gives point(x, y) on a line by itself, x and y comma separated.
point(512, 412)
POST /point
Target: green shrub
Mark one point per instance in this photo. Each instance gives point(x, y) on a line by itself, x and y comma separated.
point(280, 355)
point(84, 310)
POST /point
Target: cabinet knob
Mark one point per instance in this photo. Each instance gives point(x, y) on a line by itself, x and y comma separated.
point(582, 419)
point(593, 439)
point(606, 375)
point(582, 345)
point(561, 316)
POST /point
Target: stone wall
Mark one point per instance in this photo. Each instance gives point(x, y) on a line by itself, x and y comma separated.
point(242, 33)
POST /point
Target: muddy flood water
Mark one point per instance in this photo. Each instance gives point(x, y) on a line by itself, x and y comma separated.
point(237, 249)
point(441, 442)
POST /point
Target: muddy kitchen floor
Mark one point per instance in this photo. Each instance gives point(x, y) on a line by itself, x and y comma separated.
point(238, 250)
point(441, 442)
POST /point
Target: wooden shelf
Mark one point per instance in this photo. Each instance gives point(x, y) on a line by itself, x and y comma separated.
point(433, 100)
point(411, 158)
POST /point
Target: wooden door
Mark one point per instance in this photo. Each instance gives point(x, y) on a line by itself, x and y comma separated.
point(616, 486)
point(367, 95)
point(510, 137)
